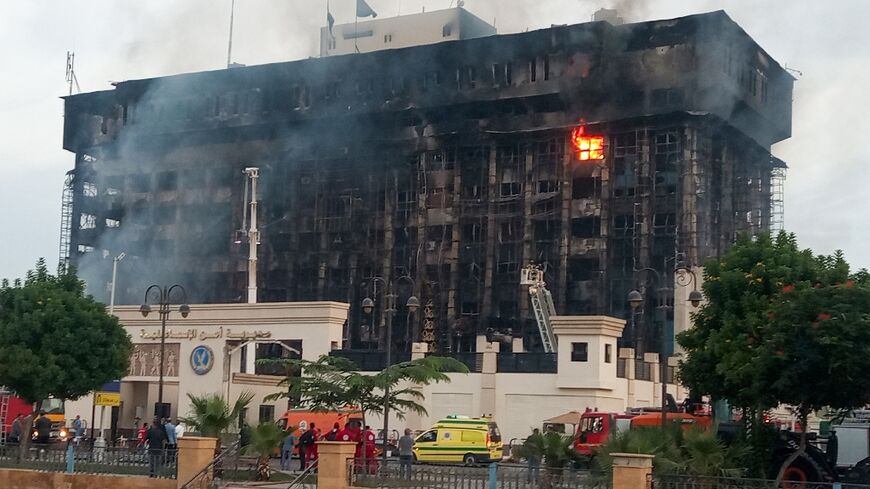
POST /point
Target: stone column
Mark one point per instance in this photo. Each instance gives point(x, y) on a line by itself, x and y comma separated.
point(655, 376)
point(487, 380)
point(332, 464)
point(627, 354)
point(632, 470)
point(194, 453)
point(419, 350)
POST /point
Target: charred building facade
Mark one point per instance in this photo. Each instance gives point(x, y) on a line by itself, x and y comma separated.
point(453, 163)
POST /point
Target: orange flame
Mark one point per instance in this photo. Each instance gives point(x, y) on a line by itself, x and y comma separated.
point(588, 147)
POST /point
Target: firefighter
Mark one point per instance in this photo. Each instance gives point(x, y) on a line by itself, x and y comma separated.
point(370, 449)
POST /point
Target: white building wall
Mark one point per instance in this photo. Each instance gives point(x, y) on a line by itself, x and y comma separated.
point(518, 402)
point(403, 31)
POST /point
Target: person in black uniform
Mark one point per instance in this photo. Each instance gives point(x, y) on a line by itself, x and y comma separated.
point(156, 439)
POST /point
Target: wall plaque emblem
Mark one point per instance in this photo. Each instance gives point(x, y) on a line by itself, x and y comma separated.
point(201, 360)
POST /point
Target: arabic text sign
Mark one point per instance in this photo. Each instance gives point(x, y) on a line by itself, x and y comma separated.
point(192, 334)
point(107, 399)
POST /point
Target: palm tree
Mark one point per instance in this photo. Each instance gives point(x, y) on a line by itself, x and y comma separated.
point(266, 437)
point(556, 451)
point(211, 415)
point(333, 383)
point(677, 451)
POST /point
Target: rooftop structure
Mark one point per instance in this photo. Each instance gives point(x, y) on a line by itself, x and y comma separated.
point(454, 24)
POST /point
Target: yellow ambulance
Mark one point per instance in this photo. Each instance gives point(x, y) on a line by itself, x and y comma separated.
point(460, 439)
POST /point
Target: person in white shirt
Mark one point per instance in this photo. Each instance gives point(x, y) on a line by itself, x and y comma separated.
point(179, 430)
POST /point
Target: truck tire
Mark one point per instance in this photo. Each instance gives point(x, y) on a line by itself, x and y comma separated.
point(801, 472)
point(469, 459)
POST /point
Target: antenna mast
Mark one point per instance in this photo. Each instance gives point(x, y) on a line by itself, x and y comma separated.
point(230, 46)
point(71, 73)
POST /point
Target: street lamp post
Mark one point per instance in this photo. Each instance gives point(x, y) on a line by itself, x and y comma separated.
point(635, 299)
point(368, 306)
point(162, 297)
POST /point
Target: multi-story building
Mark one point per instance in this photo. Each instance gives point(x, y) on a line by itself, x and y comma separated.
point(454, 163)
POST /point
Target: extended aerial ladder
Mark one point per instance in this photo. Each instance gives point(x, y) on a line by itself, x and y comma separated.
point(542, 304)
point(5, 396)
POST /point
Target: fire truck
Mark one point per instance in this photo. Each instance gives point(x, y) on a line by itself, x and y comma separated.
point(814, 465)
point(11, 406)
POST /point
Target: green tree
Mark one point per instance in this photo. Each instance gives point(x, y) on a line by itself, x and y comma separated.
point(211, 415)
point(55, 340)
point(739, 288)
point(780, 326)
point(816, 353)
point(266, 438)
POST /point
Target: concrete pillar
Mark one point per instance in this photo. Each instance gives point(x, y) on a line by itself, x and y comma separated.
point(332, 464)
point(655, 375)
point(251, 357)
point(632, 470)
point(487, 380)
point(194, 453)
point(419, 350)
point(627, 355)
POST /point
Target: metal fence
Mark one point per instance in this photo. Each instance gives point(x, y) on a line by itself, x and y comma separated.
point(370, 360)
point(621, 367)
point(85, 459)
point(472, 360)
point(227, 465)
point(533, 362)
point(693, 482)
point(500, 476)
point(642, 370)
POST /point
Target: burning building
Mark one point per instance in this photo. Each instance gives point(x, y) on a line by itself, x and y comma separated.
point(594, 150)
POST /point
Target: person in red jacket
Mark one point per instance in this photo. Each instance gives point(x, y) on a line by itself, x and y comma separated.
point(311, 453)
point(140, 435)
point(332, 435)
point(344, 433)
point(371, 450)
point(353, 434)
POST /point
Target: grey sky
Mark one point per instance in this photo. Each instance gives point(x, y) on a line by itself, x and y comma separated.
point(826, 190)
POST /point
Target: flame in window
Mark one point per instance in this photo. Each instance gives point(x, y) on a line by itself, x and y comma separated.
point(589, 147)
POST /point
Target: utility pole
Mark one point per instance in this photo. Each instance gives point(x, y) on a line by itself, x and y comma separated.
point(115, 261)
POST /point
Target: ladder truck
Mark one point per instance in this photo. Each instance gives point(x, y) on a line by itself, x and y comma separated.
point(542, 304)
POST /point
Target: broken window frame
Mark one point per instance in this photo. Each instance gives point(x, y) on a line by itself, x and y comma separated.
point(87, 221)
point(89, 189)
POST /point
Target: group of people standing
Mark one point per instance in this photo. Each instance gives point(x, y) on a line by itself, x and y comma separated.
point(364, 438)
point(161, 436)
point(42, 426)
